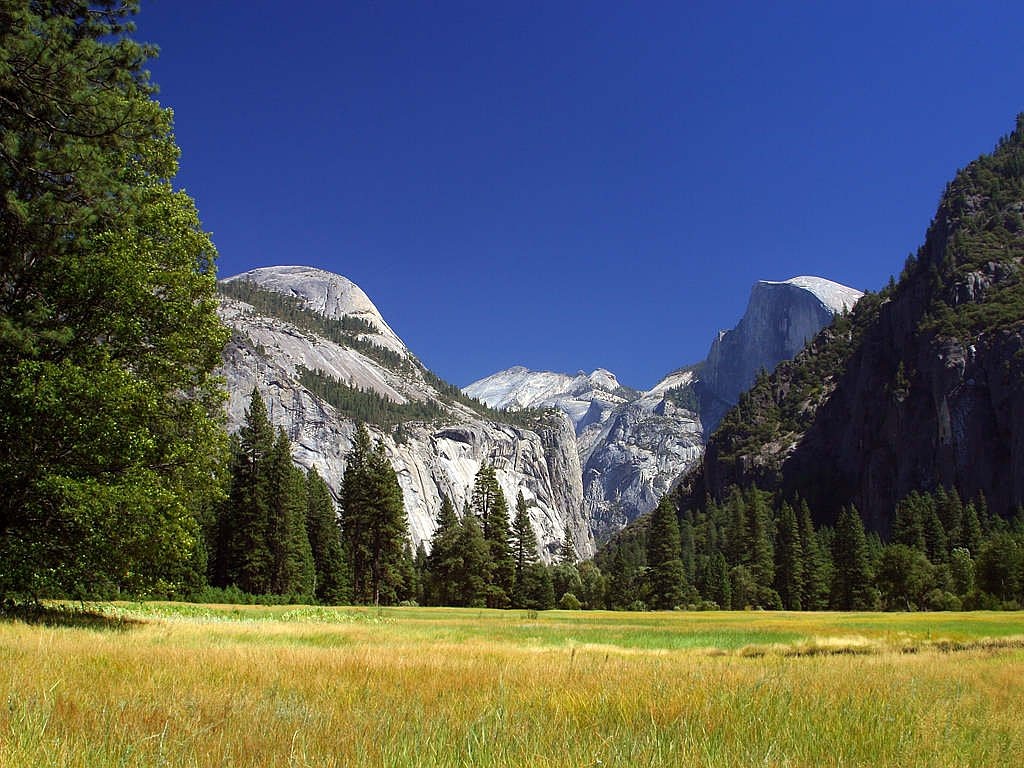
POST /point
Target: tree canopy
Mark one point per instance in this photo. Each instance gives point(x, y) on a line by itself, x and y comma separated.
point(110, 438)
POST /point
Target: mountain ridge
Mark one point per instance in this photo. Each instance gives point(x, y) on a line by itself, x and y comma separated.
point(921, 388)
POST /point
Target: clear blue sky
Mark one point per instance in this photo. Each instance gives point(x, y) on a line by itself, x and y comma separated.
point(573, 185)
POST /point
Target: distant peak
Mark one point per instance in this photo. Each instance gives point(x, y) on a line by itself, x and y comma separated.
point(604, 379)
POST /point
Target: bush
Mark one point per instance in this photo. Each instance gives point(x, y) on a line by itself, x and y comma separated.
point(569, 602)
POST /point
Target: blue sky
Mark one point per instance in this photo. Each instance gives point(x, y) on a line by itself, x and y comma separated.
point(573, 185)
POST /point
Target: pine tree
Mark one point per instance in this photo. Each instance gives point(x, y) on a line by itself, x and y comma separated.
point(325, 542)
point(668, 581)
point(951, 513)
point(373, 523)
point(567, 551)
point(473, 575)
point(524, 551)
point(388, 533)
point(936, 544)
point(688, 547)
point(760, 551)
point(292, 571)
point(245, 522)
point(356, 511)
point(817, 569)
point(491, 508)
point(789, 570)
point(444, 563)
point(719, 588)
point(737, 528)
point(851, 582)
point(971, 534)
point(908, 521)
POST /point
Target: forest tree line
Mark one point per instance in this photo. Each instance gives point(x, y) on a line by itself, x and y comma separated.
point(278, 535)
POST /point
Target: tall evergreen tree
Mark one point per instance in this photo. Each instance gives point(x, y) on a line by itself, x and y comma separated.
point(908, 521)
point(356, 510)
point(851, 581)
point(491, 508)
point(524, 552)
point(473, 575)
point(444, 563)
point(388, 533)
point(971, 534)
point(373, 523)
point(567, 551)
point(292, 570)
point(817, 570)
point(759, 549)
point(951, 513)
point(936, 543)
point(325, 542)
point(789, 559)
point(245, 522)
point(668, 580)
point(737, 528)
point(719, 587)
point(687, 546)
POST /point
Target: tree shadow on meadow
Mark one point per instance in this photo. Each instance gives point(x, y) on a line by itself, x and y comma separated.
point(79, 616)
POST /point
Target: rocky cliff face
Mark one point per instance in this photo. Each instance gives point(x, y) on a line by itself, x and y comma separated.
point(635, 446)
point(431, 458)
point(924, 387)
point(632, 445)
point(781, 317)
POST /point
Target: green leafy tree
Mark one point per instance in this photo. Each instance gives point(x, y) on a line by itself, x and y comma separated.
point(325, 542)
point(538, 588)
point(961, 568)
point(592, 585)
point(998, 567)
point(904, 577)
point(111, 437)
point(565, 578)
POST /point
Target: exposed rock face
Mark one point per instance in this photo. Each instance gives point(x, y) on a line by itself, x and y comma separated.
point(632, 445)
point(635, 446)
point(781, 317)
point(925, 388)
point(584, 398)
point(430, 459)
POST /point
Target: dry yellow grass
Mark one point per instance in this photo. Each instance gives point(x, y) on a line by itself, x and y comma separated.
point(452, 688)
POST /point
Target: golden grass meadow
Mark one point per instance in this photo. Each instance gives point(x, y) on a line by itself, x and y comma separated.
point(180, 685)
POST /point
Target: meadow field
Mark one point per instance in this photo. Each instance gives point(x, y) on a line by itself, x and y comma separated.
point(181, 685)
